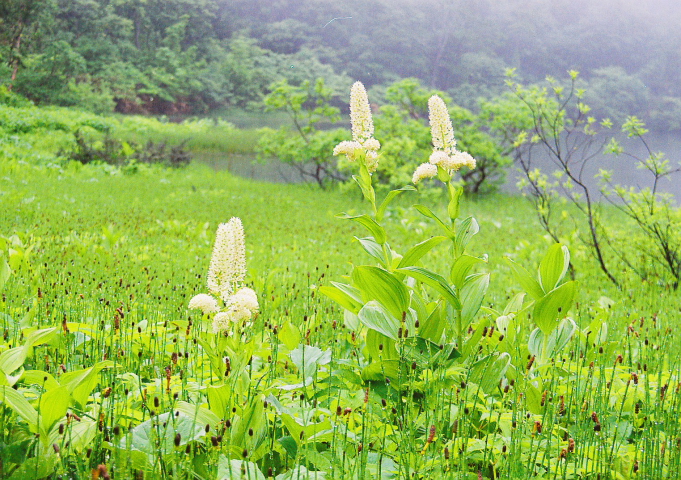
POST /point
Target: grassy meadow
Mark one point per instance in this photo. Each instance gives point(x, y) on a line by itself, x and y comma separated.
point(105, 373)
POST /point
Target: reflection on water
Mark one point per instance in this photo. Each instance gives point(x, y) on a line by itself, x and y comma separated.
point(248, 166)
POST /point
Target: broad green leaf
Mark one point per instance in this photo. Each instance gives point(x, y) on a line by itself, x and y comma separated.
point(421, 310)
point(35, 468)
point(252, 418)
point(52, 408)
point(157, 435)
point(562, 335)
point(382, 286)
point(389, 198)
point(220, 400)
point(350, 320)
point(553, 267)
point(350, 291)
point(81, 434)
point(364, 182)
point(18, 403)
point(302, 473)
point(289, 335)
point(465, 231)
point(515, 304)
point(535, 343)
point(488, 371)
point(374, 228)
point(527, 283)
point(434, 324)
point(533, 399)
point(424, 352)
point(12, 359)
point(553, 306)
point(81, 382)
point(433, 280)
point(415, 253)
point(372, 248)
point(379, 371)
point(375, 316)
point(470, 345)
point(545, 347)
point(472, 295)
point(5, 272)
point(40, 378)
point(304, 429)
point(308, 358)
point(339, 293)
point(379, 346)
point(598, 329)
point(199, 414)
point(461, 267)
point(290, 445)
point(423, 210)
point(40, 337)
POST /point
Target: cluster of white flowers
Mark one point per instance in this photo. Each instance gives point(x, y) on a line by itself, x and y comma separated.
point(445, 155)
point(425, 170)
point(226, 272)
point(363, 143)
point(350, 149)
point(204, 302)
point(239, 309)
point(452, 162)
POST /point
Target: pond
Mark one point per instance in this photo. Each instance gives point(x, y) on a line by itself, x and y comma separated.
point(624, 168)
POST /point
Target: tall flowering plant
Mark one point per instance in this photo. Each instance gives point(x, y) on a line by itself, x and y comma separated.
point(408, 314)
point(230, 304)
point(398, 307)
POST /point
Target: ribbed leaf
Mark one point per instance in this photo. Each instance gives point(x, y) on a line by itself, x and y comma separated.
point(434, 281)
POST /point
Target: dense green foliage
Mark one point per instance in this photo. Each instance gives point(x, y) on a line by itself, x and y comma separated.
point(193, 56)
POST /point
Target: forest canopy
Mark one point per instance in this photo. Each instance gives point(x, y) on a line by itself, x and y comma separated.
point(197, 56)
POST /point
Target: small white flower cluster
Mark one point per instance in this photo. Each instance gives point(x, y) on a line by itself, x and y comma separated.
point(445, 155)
point(423, 171)
point(204, 302)
point(226, 273)
point(363, 143)
point(239, 309)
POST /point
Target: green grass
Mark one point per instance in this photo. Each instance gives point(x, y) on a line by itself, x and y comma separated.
point(114, 259)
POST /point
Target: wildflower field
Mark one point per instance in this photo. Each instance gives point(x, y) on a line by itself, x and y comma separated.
point(188, 324)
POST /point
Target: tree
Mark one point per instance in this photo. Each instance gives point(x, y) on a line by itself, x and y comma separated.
point(306, 148)
point(563, 128)
point(19, 21)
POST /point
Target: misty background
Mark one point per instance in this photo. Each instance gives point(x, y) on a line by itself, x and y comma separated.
point(214, 57)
